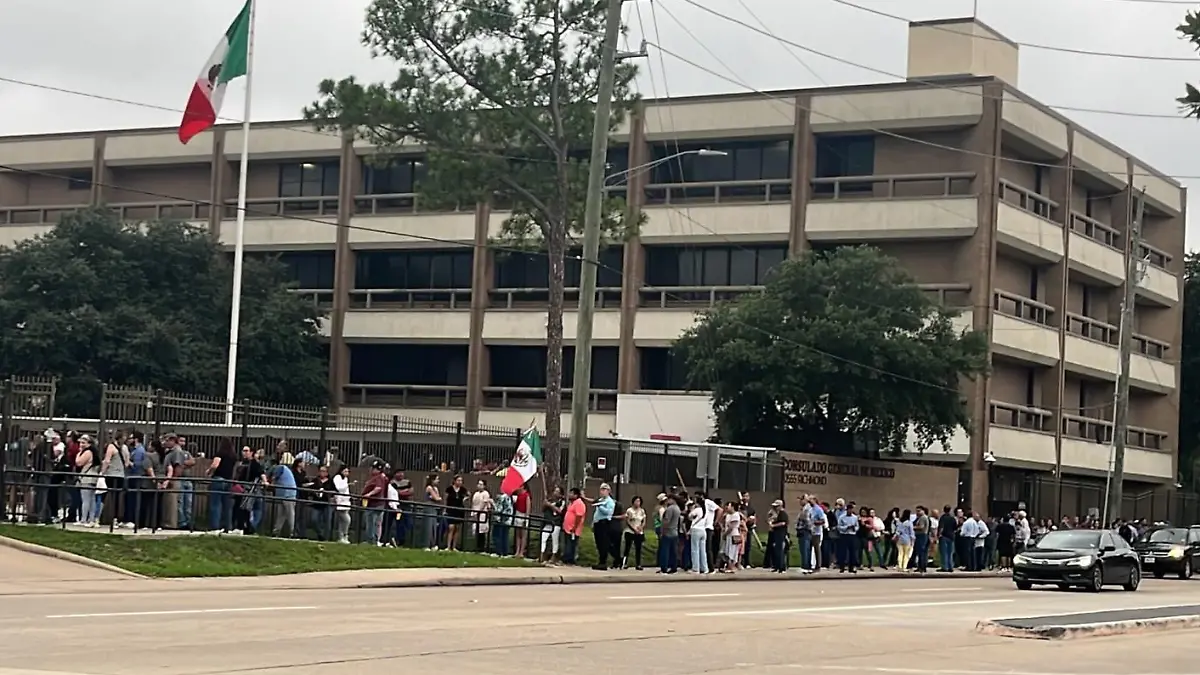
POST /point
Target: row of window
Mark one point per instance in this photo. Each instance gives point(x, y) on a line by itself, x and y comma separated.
point(666, 266)
point(721, 162)
point(509, 366)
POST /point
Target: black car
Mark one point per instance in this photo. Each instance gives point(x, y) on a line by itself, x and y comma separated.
point(1088, 558)
point(1169, 550)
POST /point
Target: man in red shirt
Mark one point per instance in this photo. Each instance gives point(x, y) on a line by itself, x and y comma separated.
point(521, 519)
point(375, 496)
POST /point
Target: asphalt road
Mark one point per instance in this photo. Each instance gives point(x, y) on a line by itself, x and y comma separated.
point(889, 627)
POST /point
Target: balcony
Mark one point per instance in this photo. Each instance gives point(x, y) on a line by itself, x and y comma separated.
point(1087, 444)
point(1021, 433)
point(170, 210)
point(538, 298)
point(733, 210)
point(405, 395)
point(388, 218)
point(1096, 250)
point(534, 398)
point(1159, 284)
point(1023, 328)
point(892, 207)
point(1092, 349)
point(1023, 223)
point(284, 222)
point(321, 298)
point(384, 299)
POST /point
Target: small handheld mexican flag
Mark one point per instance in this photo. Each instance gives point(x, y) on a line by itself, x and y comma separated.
point(525, 462)
point(229, 61)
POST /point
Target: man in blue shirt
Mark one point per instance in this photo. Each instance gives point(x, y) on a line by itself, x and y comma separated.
point(847, 527)
point(284, 480)
point(602, 526)
point(134, 477)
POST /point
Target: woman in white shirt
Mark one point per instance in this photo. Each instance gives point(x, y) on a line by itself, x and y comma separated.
point(392, 515)
point(733, 537)
point(698, 536)
point(481, 513)
point(341, 500)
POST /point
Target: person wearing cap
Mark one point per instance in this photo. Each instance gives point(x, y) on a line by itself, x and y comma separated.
point(375, 496)
point(602, 521)
point(777, 537)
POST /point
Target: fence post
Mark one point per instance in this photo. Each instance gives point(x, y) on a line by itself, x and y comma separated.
point(394, 441)
point(245, 423)
point(746, 484)
point(666, 460)
point(323, 436)
point(101, 434)
point(6, 403)
point(157, 419)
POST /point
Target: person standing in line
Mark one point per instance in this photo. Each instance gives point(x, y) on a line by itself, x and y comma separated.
point(552, 521)
point(921, 526)
point(481, 515)
point(804, 533)
point(220, 497)
point(456, 499)
point(284, 481)
point(521, 504)
point(573, 521)
point(602, 520)
point(433, 511)
point(778, 537)
point(635, 533)
point(502, 515)
point(89, 476)
point(904, 539)
point(698, 538)
point(671, 522)
point(820, 528)
point(733, 535)
point(1023, 532)
point(847, 527)
point(1006, 534)
point(948, 534)
point(710, 524)
point(341, 485)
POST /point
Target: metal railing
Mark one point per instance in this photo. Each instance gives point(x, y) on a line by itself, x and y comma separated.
point(1028, 200)
point(321, 298)
point(1027, 418)
point(1092, 329)
point(36, 215)
point(1101, 431)
point(894, 186)
point(1148, 346)
point(406, 395)
point(538, 298)
point(1095, 230)
point(1021, 307)
point(1155, 256)
point(664, 297)
point(399, 203)
point(720, 192)
point(949, 295)
point(168, 210)
point(409, 298)
point(534, 398)
point(275, 207)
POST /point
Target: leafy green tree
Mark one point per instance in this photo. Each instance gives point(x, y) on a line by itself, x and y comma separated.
point(1189, 364)
point(1190, 31)
point(500, 97)
point(97, 300)
point(840, 347)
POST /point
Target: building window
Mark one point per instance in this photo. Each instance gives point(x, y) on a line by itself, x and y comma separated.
point(513, 270)
point(308, 179)
point(79, 180)
point(525, 366)
point(841, 157)
point(661, 370)
point(414, 364)
point(413, 270)
point(744, 160)
point(711, 265)
point(309, 270)
point(399, 177)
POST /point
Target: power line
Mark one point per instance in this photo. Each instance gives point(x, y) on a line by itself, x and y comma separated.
point(1030, 45)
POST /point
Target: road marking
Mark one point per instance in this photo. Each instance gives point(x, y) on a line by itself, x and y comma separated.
point(937, 589)
point(928, 671)
point(848, 608)
point(173, 612)
point(674, 597)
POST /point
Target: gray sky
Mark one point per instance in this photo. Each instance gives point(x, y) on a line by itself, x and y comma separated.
point(149, 51)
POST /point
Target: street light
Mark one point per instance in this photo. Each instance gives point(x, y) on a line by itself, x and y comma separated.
point(702, 152)
point(580, 388)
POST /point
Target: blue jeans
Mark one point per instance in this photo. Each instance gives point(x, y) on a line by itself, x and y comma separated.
point(570, 548)
point(183, 504)
point(500, 540)
point(699, 541)
point(804, 541)
point(667, 561)
point(946, 553)
point(220, 505)
point(371, 520)
point(921, 549)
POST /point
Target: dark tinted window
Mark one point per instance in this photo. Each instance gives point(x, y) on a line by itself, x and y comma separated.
point(768, 159)
point(408, 364)
point(661, 369)
point(1167, 535)
point(839, 156)
point(711, 265)
point(413, 270)
point(531, 270)
point(525, 366)
point(400, 175)
point(1070, 539)
point(308, 179)
point(310, 270)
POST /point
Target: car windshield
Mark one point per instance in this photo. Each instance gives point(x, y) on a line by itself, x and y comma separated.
point(1168, 535)
point(1072, 539)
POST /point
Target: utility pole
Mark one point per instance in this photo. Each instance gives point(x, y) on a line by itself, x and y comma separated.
point(580, 388)
point(1134, 270)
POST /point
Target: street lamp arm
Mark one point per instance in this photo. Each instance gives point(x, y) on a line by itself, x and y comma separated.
point(641, 168)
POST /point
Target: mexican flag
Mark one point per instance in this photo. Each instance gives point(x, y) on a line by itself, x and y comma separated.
point(228, 62)
point(525, 462)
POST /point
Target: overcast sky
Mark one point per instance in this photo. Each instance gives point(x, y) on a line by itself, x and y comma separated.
point(149, 51)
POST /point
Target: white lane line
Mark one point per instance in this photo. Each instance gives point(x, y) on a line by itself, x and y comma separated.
point(927, 671)
point(674, 597)
point(849, 608)
point(173, 612)
point(940, 589)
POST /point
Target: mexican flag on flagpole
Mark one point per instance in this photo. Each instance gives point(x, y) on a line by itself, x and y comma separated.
point(228, 62)
point(525, 462)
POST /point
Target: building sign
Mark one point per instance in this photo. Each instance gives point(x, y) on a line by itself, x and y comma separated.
point(877, 484)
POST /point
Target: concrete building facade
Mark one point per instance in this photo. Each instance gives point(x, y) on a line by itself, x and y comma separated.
point(996, 203)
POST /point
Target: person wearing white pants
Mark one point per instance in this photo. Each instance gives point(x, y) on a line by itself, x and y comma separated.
point(698, 536)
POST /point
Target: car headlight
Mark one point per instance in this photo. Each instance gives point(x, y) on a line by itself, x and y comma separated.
point(1081, 561)
point(1176, 552)
point(1020, 560)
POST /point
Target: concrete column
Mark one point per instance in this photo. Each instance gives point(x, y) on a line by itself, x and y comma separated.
point(803, 161)
point(101, 177)
point(985, 140)
point(1062, 178)
point(634, 259)
point(343, 271)
point(481, 286)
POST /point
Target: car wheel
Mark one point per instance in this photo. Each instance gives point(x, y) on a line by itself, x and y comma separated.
point(1096, 580)
point(1159, 575)
point(1186, 572)
point(1134, 580)
point(1024, 585)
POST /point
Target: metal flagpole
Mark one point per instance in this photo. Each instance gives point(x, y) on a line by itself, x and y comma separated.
point(239, 249)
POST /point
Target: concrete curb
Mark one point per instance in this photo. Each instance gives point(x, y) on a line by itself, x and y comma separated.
point(572, 580)
point(37, 549)
point(1087, 630)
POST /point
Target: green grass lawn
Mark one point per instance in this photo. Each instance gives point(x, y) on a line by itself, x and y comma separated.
point(209, 556)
